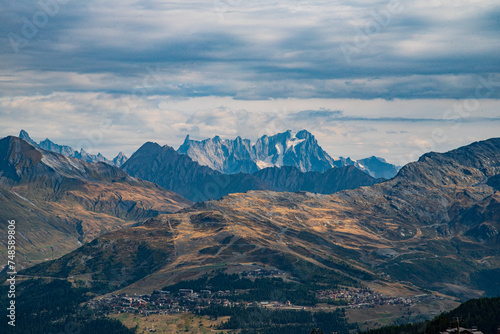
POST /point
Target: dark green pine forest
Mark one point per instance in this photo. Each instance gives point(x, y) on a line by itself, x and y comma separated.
point(483, 313)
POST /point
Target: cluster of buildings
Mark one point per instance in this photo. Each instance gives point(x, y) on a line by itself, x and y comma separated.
point(163, 302)
point(462, 330)
point(262, 273)
point(188, 300)
point(366, 298)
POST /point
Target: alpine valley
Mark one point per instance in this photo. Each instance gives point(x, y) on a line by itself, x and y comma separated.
point(433, 227)
point(279, 223)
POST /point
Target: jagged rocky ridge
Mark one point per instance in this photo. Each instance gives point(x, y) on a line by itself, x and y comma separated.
point(68, 151)
point(300, 150)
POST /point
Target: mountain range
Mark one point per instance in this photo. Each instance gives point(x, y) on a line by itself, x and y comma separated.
point(178, 172)
point(434, 226)
point(300, 150)
point(64, 201)
point(68, 151)
point(60, 202)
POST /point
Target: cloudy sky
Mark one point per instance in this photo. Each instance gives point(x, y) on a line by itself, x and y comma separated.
point(388, 78)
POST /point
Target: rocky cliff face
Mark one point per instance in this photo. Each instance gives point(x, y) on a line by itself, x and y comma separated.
point(300, 150)
point(226, 156)
point(286, 149)
point(60, 202)
point(435, 225)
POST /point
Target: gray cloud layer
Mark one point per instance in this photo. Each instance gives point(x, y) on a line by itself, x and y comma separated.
point(257, 50)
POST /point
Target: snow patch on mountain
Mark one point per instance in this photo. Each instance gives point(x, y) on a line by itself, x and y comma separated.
point(279, 155)
point(62, 164)
point(293, 142)
point(265, 164)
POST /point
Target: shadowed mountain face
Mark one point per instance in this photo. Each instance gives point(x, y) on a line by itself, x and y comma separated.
point(435, 224)
point(177, 172)
point(333, 180)
point(60, 202)
point(300, 150)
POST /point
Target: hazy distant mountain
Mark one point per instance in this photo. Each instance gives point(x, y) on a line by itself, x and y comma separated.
point(24, 135)
point(179, 173)
point(436, 225)
point(68, 151)
point(119, 160)
point(60, 202)
point(377, 167)
point(300, 150)
point(239, 155)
